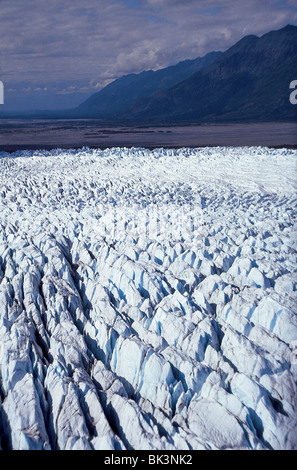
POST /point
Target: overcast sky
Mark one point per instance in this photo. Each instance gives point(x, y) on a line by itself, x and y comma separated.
point(55, 51)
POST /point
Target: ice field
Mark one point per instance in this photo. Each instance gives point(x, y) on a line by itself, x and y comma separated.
point(148, 299)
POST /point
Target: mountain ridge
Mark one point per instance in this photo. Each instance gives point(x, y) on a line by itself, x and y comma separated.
point(119, 95)
point(249, 82)
point(234, 87)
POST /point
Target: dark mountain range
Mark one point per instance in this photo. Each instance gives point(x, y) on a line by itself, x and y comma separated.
point(247, 83)
point(119, 95)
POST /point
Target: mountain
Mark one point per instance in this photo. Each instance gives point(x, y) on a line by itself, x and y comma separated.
point(119, 95)
point(248, 82)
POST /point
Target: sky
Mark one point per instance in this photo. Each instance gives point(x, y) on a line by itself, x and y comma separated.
point(56, 53)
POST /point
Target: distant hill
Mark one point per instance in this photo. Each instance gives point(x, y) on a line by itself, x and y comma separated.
point(247, 83)
point(119, 95)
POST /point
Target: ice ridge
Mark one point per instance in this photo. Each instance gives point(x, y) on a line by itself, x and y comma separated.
point(148, 299)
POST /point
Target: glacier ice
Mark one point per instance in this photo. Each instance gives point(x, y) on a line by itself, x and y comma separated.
point(148, 299)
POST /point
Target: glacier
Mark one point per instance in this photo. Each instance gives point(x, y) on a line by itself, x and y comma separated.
point(148, 299)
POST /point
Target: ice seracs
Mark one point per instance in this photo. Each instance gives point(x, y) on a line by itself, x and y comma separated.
point(148, 299)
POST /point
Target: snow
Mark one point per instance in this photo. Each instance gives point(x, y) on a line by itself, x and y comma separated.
point(148, 299)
